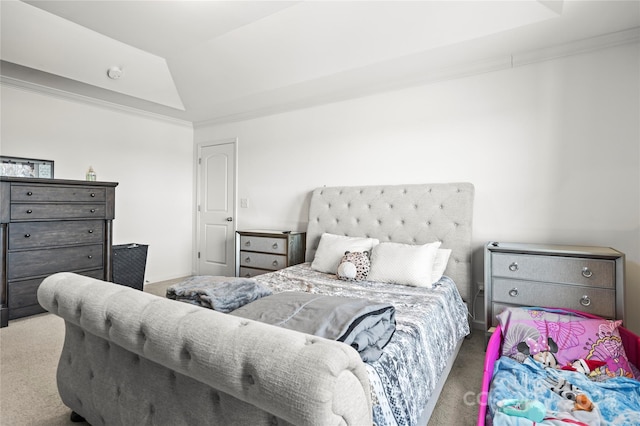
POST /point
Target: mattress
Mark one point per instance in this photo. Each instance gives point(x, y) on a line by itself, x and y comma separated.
point(429, 324)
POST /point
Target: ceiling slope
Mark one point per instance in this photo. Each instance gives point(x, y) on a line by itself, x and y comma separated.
point(217, 61)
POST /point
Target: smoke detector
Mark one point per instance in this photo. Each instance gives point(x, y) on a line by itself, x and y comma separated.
point(114, 73)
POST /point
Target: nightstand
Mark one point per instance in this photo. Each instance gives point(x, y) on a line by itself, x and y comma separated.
point(588, 279)
point(259, 252)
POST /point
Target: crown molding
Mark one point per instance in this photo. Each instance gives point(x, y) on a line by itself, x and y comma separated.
point(74, 97)
point(577, 47)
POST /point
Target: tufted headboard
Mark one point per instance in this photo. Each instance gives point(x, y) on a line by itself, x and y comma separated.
point(410, 214)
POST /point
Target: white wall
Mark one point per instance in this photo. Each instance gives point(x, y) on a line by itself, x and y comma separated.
point(151, 159)
point(552, 148)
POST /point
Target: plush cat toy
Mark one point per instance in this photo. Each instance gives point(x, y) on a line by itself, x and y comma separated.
point(354, 266)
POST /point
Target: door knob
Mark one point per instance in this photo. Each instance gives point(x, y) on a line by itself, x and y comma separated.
point(229, 219)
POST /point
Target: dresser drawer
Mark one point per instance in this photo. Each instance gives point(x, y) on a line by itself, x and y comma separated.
point(250, 272)
point(57, 211)
point(262, 260)
point(23, 298)
point(42, 234)
point(50, 193)
point(557, 269)
point(22, 264)
point(598, 301)
point(263, 244)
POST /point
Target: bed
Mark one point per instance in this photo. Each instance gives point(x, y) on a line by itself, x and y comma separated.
point(400, 387)
point(553, 366)
point(405, 384)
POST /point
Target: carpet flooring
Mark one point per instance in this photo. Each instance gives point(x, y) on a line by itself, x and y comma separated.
point(30, 348)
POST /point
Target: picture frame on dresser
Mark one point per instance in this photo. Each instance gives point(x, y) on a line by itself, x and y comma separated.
point(26, 167)
point(585, 278)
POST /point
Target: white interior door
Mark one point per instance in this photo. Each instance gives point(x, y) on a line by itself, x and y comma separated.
point(216, 209)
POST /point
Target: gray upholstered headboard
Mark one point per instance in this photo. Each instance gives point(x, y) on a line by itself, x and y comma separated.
point(411, 214)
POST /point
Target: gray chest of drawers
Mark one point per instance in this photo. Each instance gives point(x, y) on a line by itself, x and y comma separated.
point(266, 251)
point(49, 226)
point(589, 279)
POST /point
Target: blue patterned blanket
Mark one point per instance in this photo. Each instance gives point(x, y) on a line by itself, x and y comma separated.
point(615, 401)
point(429, 324)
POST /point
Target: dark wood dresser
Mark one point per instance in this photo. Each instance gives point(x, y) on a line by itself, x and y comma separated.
point(49, 226)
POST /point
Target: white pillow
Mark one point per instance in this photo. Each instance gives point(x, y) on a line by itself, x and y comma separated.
point(332, 247)
point(440, 264)
point(406, 264)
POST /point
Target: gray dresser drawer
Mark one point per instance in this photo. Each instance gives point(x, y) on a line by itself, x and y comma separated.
point(49, 261)
point(23, 294)
point(37, 193)
point(262, 260)
point(57, 211)
point(263, 244)
point(250, 272)
point(43, 234)
point(597, 301)
point(558, 269)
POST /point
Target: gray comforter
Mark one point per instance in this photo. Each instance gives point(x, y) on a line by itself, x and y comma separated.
point(364, 325)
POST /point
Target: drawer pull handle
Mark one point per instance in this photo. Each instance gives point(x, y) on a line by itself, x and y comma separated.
point(586, 272)
point(247, 275)
point(27, 235)
point(90, 256)
point(91, 231)
point(513, 267)
point(248, 260)
point(29, 211)
point(92, 210)
point(93, 194)
point(513, 292)
point(274, 246)
point(585, 300)
point(274, 263)
point(29, 194)
point(247, 243)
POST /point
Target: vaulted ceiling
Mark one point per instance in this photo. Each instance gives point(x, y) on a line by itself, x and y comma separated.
point(217, 61)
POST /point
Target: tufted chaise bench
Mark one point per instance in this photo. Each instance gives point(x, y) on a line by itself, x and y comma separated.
point(132, 358)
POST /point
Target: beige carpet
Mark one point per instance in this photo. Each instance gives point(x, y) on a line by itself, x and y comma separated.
point(30, 347)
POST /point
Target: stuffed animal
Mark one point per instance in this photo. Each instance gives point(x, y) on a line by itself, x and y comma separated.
point(584, 366)
point(354, 266)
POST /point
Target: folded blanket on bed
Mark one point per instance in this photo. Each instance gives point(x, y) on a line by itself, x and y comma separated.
point(218, 293)
point(364, 325)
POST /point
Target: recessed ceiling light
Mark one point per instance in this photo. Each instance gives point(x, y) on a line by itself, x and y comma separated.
point(114, 73)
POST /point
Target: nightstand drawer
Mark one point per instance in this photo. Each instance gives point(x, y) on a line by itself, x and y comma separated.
point(596, 301)
point(262, 260)
point(251, 272)
point(43, 234)
point(46, 193)
point(555, 269)
point(57, 211)
point(263, 244)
